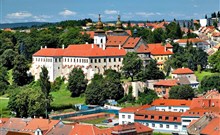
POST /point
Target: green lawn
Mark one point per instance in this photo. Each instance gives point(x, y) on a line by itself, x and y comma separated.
point(62, 98)
point(95, 121)
point(3, 107)
point(202, 74)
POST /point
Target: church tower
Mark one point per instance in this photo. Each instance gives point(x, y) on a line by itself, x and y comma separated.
point(100, 37)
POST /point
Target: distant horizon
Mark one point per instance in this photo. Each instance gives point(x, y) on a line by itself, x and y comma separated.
point(56, 10)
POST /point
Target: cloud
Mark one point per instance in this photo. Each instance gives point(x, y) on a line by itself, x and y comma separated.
point(19, 15)
point(67, 12)
point(147, 14)
point(195, 6)
point(111, 12)
point(42, 18)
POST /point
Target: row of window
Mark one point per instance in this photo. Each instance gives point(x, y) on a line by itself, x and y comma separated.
point(160, 117)
point(129, 116)
point(105, 60)
point(160, 125)
point(161, 58)
point(44, 59)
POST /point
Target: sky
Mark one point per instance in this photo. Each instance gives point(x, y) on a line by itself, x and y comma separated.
point(12, 11)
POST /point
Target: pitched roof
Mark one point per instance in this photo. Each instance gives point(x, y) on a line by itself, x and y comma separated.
point(171, 102)
point(60, 129)
point(142, 49)
point(166, 83)
point(3, 120)
point(129, 110)
point(212, 128)
point(90, 33)
point(16, 123)
point(81, 50)
point(193, 40)
point(131, 42)
point(140, 128)
point(17, 133)
point(182, 71)
point(158, 49)
point(116, 40)
point(168, 45)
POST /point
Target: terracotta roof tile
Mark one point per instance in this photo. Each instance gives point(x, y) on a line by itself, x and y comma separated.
point(171, 102)
point(90, 33)
point(142, 49)
point(129, 110)
point(193, 40)
point(212, 128)
point(158, 49)
point(182, 71)
point(116, 40)
point(166, 83)
point(82, 50)
point(131, 42)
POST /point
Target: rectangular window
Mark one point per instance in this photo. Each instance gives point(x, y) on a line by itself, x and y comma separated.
point(99, 60)
point(175, 126)
point(59, 59)
point(186, 120)
point(104, 60)
point(109, 60)
point(146, 116)
point(95, 60)
point(160, 117)
point(175, 118)
point(152, 117)
point(161, 125)
point(166, 118)
point(119, 59)
point(129, 116)
point(167, 126)
point(123, 116)
point(90, 60)
point(114, 59)
point(170, 107)
point(153, 125)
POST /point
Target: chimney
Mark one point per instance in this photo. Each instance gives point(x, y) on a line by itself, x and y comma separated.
point(63, 46)
point(119, 47)
point(45, 46)
point(41, 47)
point(86, 42)
point(103, 46)
point(92, 45)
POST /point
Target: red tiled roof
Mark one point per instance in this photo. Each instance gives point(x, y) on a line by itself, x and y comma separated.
point(116, 40)
point(213, 127)
point(129, 32)
point(182, 71)
point(131, 42)
point(82, 50)
point(193, 40)
point(129, 110)
point(171, 102)
point(166, 83)
point(198, 112)
point(168, 45)
point(2, 121)
point(140, 128)
point(142, 49)
point(202, 102)
point(146, 115)
point(158, 49)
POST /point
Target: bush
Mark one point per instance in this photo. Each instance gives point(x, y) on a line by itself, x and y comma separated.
point(57, 84)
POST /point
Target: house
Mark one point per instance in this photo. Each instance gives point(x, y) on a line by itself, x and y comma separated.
point(196, 42)
point(126, 115)
point(107, 52)
point(185, 76)
point(160, 53)
point(162, 87)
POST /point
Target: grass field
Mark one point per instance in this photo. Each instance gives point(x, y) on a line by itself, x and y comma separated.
point(202, 74)
point(63, 97)
point(96, 121)
point(3, 107)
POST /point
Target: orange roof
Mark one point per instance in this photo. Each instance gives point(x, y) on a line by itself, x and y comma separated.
point(91, 33)
point(193, 40)
point(158, 49)
point(205, 102)
point(81, 50)
point(199, 111)
point(216, 34)
point(116, 40)
point(142, 49)
point(182, 71)
point(129, 32)
point(43, 124)
point(158, 116)
point(168, 45)
point(166, 83)
point(212, 128)
point(131, 42)
point(171, 102)
point(129, 110)
point(3, 120)
point(140, 128)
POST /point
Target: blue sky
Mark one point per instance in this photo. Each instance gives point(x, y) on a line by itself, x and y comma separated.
point(58, 10)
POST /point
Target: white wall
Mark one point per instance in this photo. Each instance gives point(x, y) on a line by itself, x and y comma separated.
point(186, 121)
point(125, 118)
point(172, 108)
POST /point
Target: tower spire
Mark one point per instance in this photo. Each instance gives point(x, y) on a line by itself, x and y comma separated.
point(99, 25)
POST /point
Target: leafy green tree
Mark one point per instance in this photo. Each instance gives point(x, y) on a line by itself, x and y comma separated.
point(132, 65)
point(44, 82)
point(214, 61)
point(19, 72)
point(159, 35)
point(27, 102)
point(3, 79)
point(181, 92)
point(77, 82)
point(151, 72)
point(147, 96)
point(7, 58)
point(173, 31)
point(210, 82)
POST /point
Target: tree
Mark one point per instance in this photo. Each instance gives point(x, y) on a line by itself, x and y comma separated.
point(7, 58)
point(151, 72)
point(210, 82)
point(206, 17)
point(181, 92)
point(27, 102)
point(3, 79)
point(19, 72)
point(147, 96)
point(44, 82)
point(214, 61)
point(77, 82)
point(132, 65)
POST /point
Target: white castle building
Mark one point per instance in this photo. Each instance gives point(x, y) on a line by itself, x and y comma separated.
point(107, 52)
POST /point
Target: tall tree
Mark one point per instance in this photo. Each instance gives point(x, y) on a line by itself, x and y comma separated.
point(214, 61)
point(132, 65)
point(44, 82)
point(77, 82)
point(19, 72)
point(210, 82)
point(7, 58)
point(181, 92)
point(3, 79)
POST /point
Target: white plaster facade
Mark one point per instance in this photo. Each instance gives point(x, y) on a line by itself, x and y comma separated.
point(125, 118)
point(170, 108)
